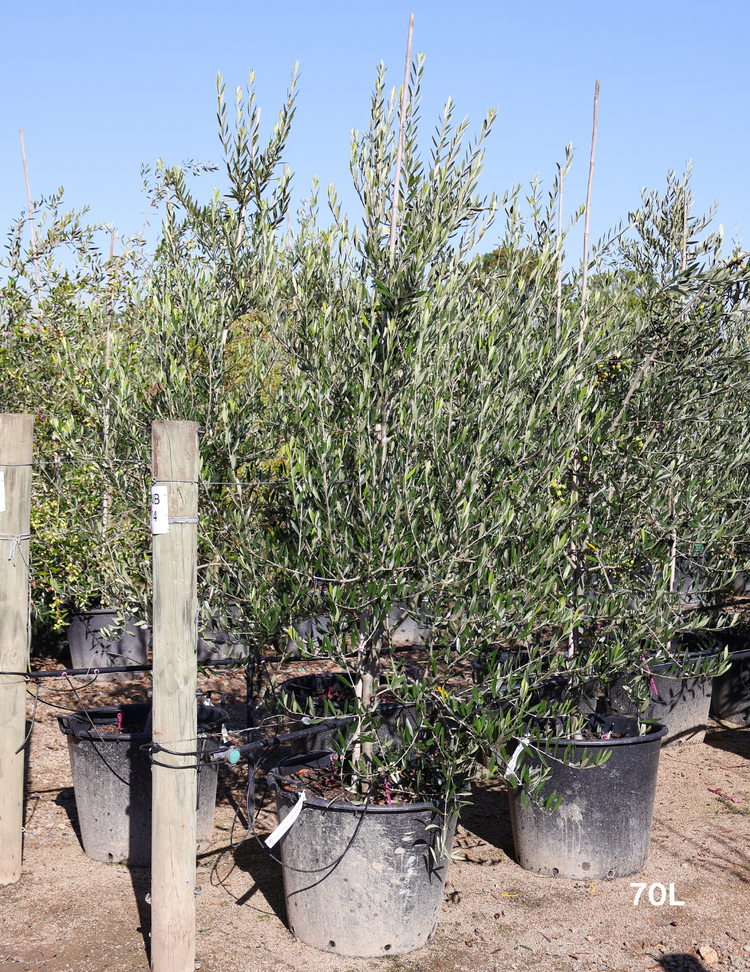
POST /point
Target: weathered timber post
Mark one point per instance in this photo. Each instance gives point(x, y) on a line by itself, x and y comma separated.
point(16, 452)
point(174, 525)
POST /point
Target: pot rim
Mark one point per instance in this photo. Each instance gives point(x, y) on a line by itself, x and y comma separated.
point(739, 654)
point(338, 806)
point(78, 613)
point(70, 722)
point(288, 688)
point(658, 668)
point(656, 731)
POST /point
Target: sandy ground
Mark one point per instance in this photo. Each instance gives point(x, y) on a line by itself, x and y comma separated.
point(71, 913)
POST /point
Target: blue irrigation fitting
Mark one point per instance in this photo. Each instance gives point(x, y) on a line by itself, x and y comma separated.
point(232, 754)
point(225, 754)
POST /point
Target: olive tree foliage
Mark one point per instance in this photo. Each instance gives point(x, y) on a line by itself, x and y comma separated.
point(376, 409)
point(426, 417)
point(414, 429)
point(552, 419)
point(192, 344)
point(76, 299)
point(655, 483)
point(678, 449)
point(637, 472)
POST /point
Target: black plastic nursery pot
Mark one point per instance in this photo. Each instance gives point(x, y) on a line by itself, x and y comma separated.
point(730, 699)
point(602, 828)
point(112, 780)
point(218, 645)
point(326, 695)
point(681, 704)
point(367, 882)
point(90, 649)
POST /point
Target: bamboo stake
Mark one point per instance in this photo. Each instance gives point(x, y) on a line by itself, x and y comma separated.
point(369, 654)
point(382, 431)
point(400, 150)
point(683, 267)
point(16, 451)
point(174, 794)
point(31, 220)
point(107, 354)
point(575, 553)
point(558, 317)
point(288, 229)
point(109, 302)
point(684, 227)
point(584, 281)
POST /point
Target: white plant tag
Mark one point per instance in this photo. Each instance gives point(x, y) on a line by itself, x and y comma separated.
point(511, 768)
point(287, 823)
point(2, 492)
point(159, 510)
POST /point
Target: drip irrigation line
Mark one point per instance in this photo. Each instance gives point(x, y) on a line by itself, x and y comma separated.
point(33, 719)
point(198, 754)
point(78, 672)
point(54, 705)
point(266, 723)
point(194, 766)
point(82, 461)
point(223, 754)
point(117, 669)
point(83, 708)
point(252, 814)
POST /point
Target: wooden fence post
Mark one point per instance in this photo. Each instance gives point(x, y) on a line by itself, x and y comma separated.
point(16, 452)
point(175, 472)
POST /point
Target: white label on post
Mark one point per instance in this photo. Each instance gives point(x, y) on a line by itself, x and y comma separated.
point(159, 510)
point(2, 492)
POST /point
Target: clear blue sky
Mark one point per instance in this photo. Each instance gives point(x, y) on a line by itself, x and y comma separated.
point(100, 88)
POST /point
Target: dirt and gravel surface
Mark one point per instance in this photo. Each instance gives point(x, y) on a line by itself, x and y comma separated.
point(71, 913)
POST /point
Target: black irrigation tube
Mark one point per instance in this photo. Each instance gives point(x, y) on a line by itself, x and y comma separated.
point(232, 754)
point(115, 670)
point(78, 672)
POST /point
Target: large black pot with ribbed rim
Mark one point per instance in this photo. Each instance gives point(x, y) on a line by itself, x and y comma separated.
point(360, 880)
point(678, 700)
point(91, 648)
point(112, 779)
point(730, 697)
point(602, 828)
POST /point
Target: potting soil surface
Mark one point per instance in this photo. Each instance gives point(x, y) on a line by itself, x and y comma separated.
point(71, 913)
point(326, 784)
